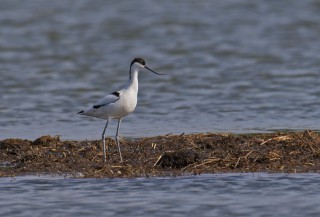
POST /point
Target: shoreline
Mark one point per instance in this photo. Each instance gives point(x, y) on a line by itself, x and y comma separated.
point(165, 155)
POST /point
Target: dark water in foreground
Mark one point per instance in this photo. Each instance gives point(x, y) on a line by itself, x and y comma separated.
point(236, 66)
point(206, 195)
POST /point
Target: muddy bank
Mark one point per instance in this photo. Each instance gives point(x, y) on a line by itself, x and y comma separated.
point(168, 155)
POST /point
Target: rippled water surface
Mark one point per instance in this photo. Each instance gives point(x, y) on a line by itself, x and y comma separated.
point(206, 195)
point(236, 66)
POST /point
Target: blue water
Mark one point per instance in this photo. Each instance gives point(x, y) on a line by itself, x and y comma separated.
point(256, 194)
point(232, 66)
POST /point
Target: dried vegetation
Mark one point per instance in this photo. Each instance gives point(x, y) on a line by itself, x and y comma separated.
point(168, 155)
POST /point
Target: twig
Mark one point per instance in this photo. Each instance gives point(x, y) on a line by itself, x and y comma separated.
point(279, 138)
point(207, 161)
point(184, 168)
point(306, 142)
point(245, 157)
point(110, 169)
point(157, 162)
point(237, 162)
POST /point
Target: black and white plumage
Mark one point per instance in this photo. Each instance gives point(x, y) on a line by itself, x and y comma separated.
point(118, 104)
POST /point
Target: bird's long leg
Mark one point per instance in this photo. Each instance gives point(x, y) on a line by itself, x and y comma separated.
point(117, 139)
point(104, 142)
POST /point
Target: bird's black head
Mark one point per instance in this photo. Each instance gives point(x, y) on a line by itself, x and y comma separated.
point(138, 60)
point(141, 64)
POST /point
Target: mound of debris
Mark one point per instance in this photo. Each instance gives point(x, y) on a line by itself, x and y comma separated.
point(164, 155)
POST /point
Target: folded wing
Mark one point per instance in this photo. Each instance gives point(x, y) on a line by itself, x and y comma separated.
point(111, 98)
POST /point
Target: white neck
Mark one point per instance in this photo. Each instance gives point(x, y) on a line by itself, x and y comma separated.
point(133, 82)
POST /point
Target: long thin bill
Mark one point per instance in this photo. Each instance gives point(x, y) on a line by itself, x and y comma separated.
point(153, 71)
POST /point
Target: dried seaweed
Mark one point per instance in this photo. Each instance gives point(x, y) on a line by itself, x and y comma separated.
point(164, 155)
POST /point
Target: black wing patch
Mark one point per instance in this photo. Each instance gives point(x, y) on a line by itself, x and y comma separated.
point(117, 94)
point(97, 106)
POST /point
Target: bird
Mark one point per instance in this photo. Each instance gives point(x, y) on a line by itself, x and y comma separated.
point(118, 104)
